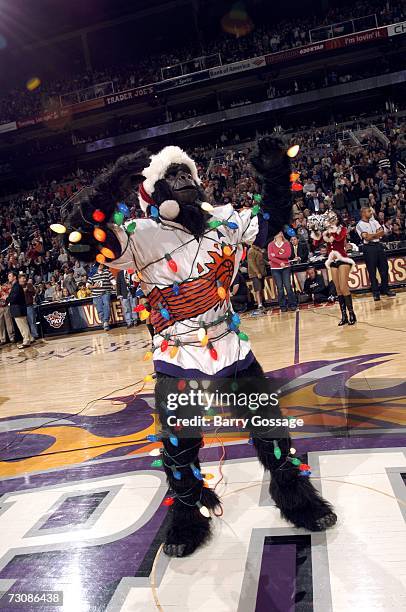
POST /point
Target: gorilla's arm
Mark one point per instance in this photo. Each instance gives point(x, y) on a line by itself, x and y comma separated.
point(273, 167)
point(118, 184)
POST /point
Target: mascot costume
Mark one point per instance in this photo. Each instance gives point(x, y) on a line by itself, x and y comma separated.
point(186, 254)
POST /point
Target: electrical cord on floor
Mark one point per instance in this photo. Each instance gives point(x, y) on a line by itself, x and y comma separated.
point(20, 439)
point(250, 486)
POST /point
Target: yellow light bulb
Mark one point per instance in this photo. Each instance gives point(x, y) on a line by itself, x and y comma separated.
point(58, 228)
point(206, 206)
point(204, 511)
point(144, 314)
point(201, 333)
point(293, 151)
point(173, 351)
point(208, 476)
point(227, 251)
point(75, 237)
point(155, 452)
point(205, 340)
point(221, 293)
point(148, 356)
point(148, 378)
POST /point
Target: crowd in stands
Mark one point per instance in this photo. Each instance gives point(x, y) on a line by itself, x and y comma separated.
point(334, 173)
point(21, 103)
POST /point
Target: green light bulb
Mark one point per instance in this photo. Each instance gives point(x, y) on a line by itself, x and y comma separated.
point(130, 229)
point(118, 217)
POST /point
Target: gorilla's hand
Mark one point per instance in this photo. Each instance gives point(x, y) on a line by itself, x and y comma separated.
point(269, 155)
point(91, 212)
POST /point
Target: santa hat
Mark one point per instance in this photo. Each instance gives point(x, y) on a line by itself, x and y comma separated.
point(157, 170)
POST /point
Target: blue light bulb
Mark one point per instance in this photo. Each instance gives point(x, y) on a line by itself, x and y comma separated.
point(236, 319)
point(174, 440)
point(232, 225)
point(233, 327)
point(196, 472)
point(177, 475)
point(123, 208)
point(165, 313)
point(152, 438)
point(154, 212)
point(266, 216)
point(139, 293)
point(175, 288)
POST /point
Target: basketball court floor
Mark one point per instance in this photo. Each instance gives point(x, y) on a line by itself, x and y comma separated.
point(81, 508)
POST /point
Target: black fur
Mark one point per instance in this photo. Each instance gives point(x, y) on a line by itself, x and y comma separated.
point(273, 167)
point(188, 529)
point(191, 216)
point(118, 184)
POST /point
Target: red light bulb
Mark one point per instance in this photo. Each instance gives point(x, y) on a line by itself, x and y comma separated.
point(98, 216)
point(168, 501)
point(213, 352)
point(139, 308)
point(171, 263)
point(164, 345)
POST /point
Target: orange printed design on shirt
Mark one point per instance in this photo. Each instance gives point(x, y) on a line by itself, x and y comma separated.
point(196, 296)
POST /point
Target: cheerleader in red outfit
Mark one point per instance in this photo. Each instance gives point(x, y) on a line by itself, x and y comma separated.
point(334, 235)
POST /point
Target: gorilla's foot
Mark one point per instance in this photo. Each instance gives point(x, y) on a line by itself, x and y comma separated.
point(189, 529)
point(300, 503)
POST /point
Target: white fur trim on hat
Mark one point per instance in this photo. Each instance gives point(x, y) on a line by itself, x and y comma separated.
point(159, 165)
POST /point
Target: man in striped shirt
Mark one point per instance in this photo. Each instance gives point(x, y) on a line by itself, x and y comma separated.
point(101, 287)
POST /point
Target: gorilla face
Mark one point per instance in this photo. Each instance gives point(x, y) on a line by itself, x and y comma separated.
point(179, 178)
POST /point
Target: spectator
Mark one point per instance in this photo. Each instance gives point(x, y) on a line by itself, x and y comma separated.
point(257, 273)
point(279, 252)
point(101, 286)
point(300, 250)
point(239, 293)
point(69, 283)
point(6, 322)
point(18, 310)
point(50, 292)
point(29, 292)
point(371, 233)
point(316, 288)
point(126, 294)
point(83, 291)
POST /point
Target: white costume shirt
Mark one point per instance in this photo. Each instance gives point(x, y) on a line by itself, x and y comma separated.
point(199, 266)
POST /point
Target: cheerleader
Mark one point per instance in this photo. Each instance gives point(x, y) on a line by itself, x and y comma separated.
point(334, 234)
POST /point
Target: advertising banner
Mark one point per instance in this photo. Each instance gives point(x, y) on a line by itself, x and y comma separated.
point(181, 81)
point(75, 316)
point(8, 127)
point(249, 64)
point(327, 45)
point(130, 94)
point(44, 118)
point(358, 279)
point(397, 28)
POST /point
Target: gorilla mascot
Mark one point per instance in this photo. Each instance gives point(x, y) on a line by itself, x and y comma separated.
point(186, 254)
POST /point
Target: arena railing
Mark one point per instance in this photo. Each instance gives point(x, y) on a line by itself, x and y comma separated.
point(195, 64)
point(98, 90)
point(351, 26)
